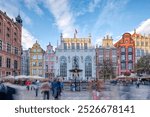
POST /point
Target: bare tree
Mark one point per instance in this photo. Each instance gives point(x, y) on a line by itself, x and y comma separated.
point(106, 70)
point(143, 65)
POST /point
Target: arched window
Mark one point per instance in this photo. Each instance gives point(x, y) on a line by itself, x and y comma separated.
point(75, 62)
point(63, 66)
point(88, 66)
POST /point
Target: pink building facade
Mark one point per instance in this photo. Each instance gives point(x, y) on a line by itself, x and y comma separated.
point(49, 62)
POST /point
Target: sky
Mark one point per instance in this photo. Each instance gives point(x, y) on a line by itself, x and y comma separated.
point(45, 20)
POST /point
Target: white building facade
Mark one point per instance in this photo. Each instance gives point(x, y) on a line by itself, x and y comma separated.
point(83, 51)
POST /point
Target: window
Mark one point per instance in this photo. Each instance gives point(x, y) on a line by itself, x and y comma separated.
point(8, 63)
point(130, 66)
point(0, 44)
point(40, 63)
point(65, 46)
point(34, 57)
point(16, 51)
point(78, 46)
point(15, 64)
point(123, 57)
point(73, 46)
point(15, 33)
point(101, 51)
point(38, 50)
point(40, 72)
point(146, 44)
point(123, 49)
point(39, 56)
point(123, 66)
point(129, 57)
point(100, 59)
point(34, 50)
point(8, 35)
point(142, 52)
point(0, 61)
point(52, 59)
point(8, 29)
point(107, 53)
point(88, 66)
point(114, 52)
point(138, 52)
point(69, 46)
point(114, 59)
point(63, 66)
point(130, 49)
point(142, 43)
point(8, 47)
point(137, 43)
point(85, 46)
point(34, 71)
point(34, 64)
point(46, 68)
point(15, 39)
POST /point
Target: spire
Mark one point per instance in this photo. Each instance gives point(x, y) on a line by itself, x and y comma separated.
point(134, 31)
point(75, 33)
point(61, 37)
point(18, 19)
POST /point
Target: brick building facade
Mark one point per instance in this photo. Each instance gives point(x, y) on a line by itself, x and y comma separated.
point(10, 45)
point(106, 58)
point(126, 53)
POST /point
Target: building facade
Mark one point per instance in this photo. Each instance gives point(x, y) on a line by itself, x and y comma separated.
point(80, 49)
point(25, 62)
point(142, 44)
point(49, 62)
point(126, 53)
point(10, 45)
point(106, 59)
point(37, 60)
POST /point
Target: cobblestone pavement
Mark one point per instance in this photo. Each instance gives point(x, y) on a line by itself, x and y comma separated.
point(110, 92)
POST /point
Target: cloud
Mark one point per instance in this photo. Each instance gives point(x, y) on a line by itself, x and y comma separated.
point(144, 27)
point(34, 5)
point(27, 39)
point(14, 6)
point(93, 4)
point(109, 14)
point(64, 18)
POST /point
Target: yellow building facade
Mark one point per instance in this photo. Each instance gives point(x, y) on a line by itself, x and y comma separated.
point(142, 43)
point(107, 41)
point(76, 43)
point(36, 60)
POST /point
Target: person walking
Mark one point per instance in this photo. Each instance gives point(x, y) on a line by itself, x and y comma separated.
point(56, 88)
point(45, 87)
point(37, 85)
point(138, 83)
point(28, 83)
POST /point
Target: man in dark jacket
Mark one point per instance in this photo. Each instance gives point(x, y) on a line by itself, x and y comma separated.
point(56, 88)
